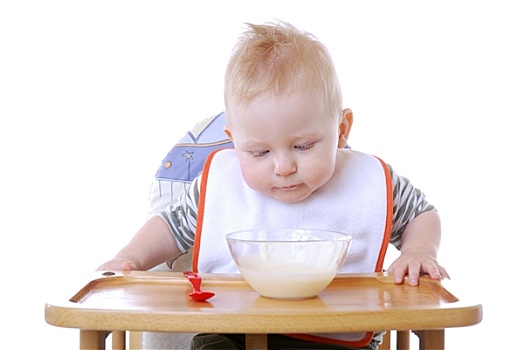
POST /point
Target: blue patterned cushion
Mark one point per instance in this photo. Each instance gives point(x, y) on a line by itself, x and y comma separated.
point(186, 159)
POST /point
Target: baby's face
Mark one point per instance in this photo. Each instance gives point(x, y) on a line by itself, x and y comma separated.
point(286, 145)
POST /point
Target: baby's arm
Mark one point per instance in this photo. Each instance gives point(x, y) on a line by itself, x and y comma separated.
point(415, 232)
point(152, 245)
point(420, 243)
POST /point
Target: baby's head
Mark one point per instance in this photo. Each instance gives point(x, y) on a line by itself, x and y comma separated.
point(278, 59)
point(284, 111)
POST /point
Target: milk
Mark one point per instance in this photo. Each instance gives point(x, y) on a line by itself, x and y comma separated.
point(278, 280)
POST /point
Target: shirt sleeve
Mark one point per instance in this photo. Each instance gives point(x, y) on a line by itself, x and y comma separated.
point(164, 193)
point(181, 216)
point(408, 203)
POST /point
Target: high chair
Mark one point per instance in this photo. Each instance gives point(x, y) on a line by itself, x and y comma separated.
point(94, 332)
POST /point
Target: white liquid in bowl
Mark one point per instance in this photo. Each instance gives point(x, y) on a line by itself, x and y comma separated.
point(291, 281)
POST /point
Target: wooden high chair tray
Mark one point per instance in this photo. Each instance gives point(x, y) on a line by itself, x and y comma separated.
point(158, 301)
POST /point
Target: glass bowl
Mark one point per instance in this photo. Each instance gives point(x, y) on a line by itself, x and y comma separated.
point(288, 263)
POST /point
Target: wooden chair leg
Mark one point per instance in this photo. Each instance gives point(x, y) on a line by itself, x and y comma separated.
point(256, 341)
point(431, 339)
point(93, 340)
point(135, 340)
point(402, 340)
point(118, 340)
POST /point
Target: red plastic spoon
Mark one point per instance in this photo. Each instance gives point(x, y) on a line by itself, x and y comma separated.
point(196, 281)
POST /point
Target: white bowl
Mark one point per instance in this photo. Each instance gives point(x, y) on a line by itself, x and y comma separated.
point(288, 263)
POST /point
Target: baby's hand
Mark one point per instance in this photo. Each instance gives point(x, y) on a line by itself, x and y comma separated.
point(413, 265)
point(120, 264)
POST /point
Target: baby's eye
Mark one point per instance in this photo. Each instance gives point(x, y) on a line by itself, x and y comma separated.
point(257, 154)
point(304, 147)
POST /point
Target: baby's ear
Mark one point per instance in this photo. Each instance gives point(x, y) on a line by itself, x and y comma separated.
point(228, 133)
point(345, 127)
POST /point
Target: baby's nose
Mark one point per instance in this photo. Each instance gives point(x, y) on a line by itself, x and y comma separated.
point(284, 166)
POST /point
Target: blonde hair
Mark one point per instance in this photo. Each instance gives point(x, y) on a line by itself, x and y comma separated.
point(280, 59)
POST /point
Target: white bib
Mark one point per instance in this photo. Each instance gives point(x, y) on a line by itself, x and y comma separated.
point(354, 201)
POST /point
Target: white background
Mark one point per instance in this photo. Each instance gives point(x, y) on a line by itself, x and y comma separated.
point(93, 94)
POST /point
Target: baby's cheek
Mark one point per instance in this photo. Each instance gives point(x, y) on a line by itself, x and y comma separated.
point(254, 179)
point(319, 177)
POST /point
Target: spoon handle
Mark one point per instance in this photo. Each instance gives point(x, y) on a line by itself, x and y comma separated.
point(196, 281)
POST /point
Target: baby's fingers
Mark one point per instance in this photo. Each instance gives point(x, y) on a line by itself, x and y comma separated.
point(399, 272)
point(435, 271)
point(414, 273)
point(118, 264)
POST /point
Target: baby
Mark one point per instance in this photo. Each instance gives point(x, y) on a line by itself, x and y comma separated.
point(290, 168)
